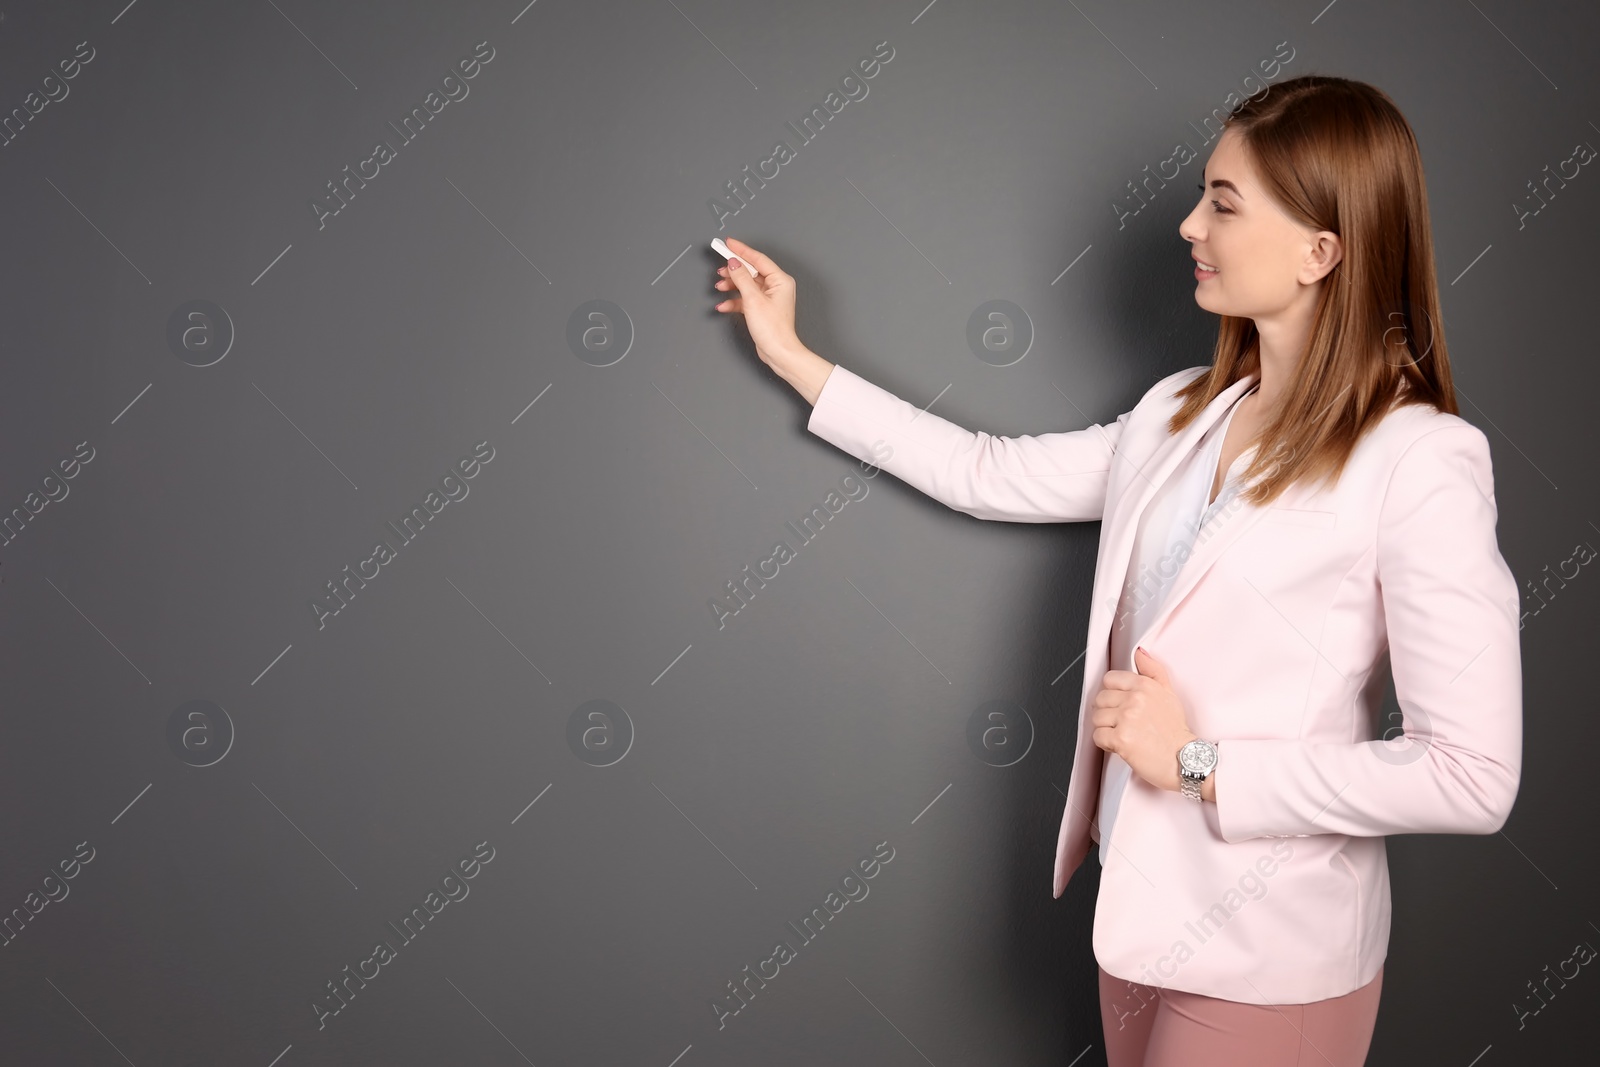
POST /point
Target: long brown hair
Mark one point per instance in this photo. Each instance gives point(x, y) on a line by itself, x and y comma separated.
point(1337, 155)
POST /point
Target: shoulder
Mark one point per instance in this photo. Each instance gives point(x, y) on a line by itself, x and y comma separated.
point(1158, 399)
point(1163, 390)
point(1424, 430)
point(1423, 451)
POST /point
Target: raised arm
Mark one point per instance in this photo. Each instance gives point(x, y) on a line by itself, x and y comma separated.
point(1053, 477)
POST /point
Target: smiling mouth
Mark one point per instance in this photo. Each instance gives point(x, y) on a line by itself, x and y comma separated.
point(1208, 268)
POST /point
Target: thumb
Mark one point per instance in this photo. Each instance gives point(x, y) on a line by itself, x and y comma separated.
point(1151, 667)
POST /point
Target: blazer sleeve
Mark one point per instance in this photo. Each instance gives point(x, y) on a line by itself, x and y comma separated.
point(1053, 477)
point(1450, 606)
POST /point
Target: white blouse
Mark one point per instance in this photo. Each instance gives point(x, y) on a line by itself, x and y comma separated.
point(1167, 530)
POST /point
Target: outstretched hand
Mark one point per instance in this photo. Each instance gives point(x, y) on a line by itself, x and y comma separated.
point(767, 302)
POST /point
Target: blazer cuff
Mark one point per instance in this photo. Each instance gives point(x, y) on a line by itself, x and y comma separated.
point(836, 416)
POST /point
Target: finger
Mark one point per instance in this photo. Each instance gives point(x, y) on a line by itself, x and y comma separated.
point(741, 277)
point(1105, 738)
point(762, 262)
point(1103, 717)
point(1120, 680)
point(734, 306)
point(1150, 667)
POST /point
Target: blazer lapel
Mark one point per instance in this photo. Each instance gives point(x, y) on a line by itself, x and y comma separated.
point(1116, 549)
point(1156, 470)
point(1231, 522)
point(1225, 528)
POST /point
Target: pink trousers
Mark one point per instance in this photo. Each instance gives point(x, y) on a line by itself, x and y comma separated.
point(1150, 1027)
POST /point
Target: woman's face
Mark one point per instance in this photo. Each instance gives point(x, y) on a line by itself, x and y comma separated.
point(1267, 262)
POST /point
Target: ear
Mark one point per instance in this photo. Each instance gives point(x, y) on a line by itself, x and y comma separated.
point(1324, 256)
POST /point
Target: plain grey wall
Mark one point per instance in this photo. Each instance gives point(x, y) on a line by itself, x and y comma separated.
point(261, 792)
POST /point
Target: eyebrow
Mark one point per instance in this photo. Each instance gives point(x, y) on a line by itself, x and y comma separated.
point(1223, 183)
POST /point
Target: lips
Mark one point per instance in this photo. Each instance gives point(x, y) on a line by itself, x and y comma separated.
point(1208, 268)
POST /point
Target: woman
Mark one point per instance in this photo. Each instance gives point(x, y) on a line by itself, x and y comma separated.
point(1281, 530)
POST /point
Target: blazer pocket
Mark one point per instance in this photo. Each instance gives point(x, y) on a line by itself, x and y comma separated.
point(1301, 517)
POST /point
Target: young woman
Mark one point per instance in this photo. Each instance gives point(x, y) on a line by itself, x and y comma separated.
point(1281, 531)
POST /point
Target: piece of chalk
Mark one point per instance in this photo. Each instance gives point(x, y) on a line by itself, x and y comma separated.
point(727, 253)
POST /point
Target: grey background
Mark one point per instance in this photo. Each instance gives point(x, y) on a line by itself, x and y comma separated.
point(768, 757)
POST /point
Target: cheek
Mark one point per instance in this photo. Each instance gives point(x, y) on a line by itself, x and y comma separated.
point(1246, 251)
point(1255, 265)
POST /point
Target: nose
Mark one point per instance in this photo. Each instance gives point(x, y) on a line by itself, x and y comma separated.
point(1189, 229)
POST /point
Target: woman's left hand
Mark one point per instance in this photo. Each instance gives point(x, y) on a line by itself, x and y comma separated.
point(1141, 719)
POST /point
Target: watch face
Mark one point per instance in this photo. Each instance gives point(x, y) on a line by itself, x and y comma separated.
point(1198, 756)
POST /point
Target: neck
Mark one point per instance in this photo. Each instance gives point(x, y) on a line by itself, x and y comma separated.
point(1278, 350)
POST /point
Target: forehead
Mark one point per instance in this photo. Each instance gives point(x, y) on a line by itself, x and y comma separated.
point(1228, 161)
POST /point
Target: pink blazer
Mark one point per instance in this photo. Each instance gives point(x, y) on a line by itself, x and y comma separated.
point(1278, 635)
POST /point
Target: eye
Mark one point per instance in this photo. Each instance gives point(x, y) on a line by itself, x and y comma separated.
point(1216, 205)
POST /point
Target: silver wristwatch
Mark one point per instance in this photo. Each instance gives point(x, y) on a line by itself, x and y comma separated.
point(1196, 761)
